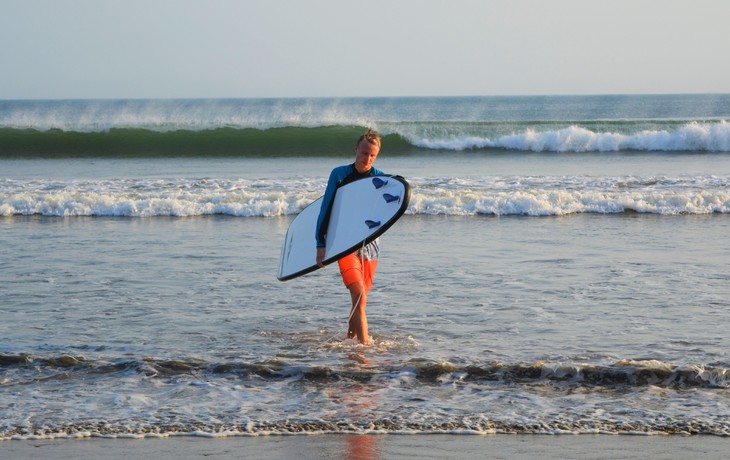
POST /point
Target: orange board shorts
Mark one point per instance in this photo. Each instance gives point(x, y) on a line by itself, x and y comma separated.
point(354, 269)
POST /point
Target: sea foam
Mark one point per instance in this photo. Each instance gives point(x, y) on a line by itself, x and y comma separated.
point(693, 136)
point(500, 196)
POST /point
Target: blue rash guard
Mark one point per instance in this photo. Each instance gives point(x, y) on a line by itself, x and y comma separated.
point(340, 176)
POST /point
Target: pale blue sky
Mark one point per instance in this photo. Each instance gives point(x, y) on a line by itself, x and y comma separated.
point(314, 48)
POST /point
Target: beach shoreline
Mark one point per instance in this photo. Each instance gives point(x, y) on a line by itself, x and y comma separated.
point(377, 446)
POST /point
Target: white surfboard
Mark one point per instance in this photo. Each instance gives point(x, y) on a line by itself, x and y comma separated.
point(361, 211)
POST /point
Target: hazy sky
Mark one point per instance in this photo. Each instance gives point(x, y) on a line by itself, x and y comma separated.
point(278, 48)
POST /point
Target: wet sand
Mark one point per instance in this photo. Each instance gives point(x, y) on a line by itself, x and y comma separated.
point(364, 447)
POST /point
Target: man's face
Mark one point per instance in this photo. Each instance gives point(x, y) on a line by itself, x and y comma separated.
point(365, 155)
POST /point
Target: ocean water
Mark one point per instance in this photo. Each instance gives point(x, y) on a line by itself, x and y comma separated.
point(562, 268)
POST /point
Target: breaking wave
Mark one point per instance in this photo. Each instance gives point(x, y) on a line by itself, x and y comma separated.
point(626, 372)
point(497, 196)
point(268, 378)
point(337, 140)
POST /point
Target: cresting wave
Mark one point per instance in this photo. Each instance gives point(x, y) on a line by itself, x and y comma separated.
point(327, 126)
point(496, 196)
point(216, 142)
point(693, 136)
point(336, 140)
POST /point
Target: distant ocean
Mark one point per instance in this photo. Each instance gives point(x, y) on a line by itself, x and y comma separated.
point(562, 268)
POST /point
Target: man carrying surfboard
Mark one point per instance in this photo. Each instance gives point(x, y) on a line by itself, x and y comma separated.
point(358, 268)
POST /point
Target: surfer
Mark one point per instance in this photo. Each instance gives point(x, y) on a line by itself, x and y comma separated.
point(358, 268)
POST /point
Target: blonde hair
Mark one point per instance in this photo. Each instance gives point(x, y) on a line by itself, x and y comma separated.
point(372, 137)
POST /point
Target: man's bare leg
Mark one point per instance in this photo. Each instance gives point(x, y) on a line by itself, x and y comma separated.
point(358, 324)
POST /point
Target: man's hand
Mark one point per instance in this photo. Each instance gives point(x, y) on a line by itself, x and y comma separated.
point(320, 257)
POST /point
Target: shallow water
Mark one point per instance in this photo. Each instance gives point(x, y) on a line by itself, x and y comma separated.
point(585, 322)
point(581, 289)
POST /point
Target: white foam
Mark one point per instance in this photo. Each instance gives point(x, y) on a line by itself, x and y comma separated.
point(530, 196)
point(693, 136)
point(142, 198)
point(546, 196)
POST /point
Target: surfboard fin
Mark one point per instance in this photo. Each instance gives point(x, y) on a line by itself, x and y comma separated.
point(372, 224)
point(378, 182)
point(391, 198)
